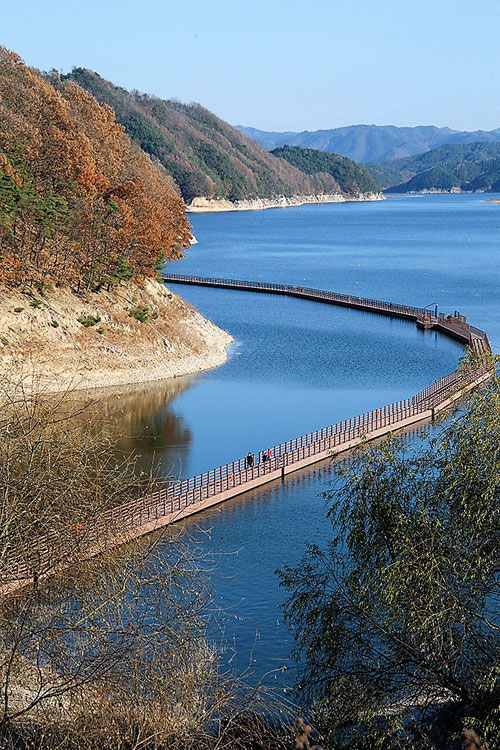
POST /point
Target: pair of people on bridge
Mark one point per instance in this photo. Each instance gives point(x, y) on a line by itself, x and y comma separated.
point(264, 456)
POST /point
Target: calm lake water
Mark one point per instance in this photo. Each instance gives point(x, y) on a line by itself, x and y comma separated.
point(297, 366)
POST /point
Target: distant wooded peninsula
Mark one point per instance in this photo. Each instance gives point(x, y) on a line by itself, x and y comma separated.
point(468, 167)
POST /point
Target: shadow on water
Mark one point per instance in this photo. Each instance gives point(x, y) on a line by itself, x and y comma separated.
point(143, 421)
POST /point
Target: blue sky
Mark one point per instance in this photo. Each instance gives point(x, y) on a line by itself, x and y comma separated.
point(281, 65)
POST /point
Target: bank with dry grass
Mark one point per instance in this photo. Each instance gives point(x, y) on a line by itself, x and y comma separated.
point(57, 339)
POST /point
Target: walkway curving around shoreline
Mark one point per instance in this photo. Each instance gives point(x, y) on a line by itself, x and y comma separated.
point(454, 326)
point(180, 499)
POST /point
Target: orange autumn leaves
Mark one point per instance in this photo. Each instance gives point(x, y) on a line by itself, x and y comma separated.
point(80, 205)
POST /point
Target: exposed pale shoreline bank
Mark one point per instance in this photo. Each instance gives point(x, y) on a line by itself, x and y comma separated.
point(436, 191)
point(119, 350)
point(205, 205)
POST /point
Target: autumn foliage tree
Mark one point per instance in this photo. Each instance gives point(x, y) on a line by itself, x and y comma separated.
point(79, 204)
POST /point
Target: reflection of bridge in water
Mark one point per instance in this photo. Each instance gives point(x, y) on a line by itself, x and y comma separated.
point(184, 498)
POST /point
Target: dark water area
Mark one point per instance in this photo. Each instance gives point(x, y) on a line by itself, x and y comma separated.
point(297, 366)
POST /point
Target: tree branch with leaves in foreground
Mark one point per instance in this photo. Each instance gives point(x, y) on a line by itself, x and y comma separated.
point(397, 622)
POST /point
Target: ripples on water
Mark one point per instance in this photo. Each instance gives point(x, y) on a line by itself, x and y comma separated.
point(297, 366)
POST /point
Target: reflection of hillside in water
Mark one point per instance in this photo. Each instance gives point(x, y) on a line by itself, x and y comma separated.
point(141, 420)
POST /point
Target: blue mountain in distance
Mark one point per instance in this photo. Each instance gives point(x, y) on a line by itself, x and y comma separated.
point(371, 143)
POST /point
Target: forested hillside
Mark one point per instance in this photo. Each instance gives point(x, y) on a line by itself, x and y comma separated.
point(80, 205)
point(205, 156)
point(482, 177)
point(472, 167)
point(351, 177)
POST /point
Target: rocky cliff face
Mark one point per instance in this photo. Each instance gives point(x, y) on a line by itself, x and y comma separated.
point(133, 334)
point(200, 205)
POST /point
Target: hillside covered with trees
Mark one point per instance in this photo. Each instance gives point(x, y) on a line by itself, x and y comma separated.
point(482, 177)
point(205, 156)
point(80, 205)
point(469, 167)
point(352, 178)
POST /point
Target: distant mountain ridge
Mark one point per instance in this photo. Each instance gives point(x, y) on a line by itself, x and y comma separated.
point(206, 156)
point(371, 143)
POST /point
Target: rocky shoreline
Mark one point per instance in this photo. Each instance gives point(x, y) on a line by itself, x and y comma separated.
point(437, 191)
point(133, 334)
point(202, 205)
